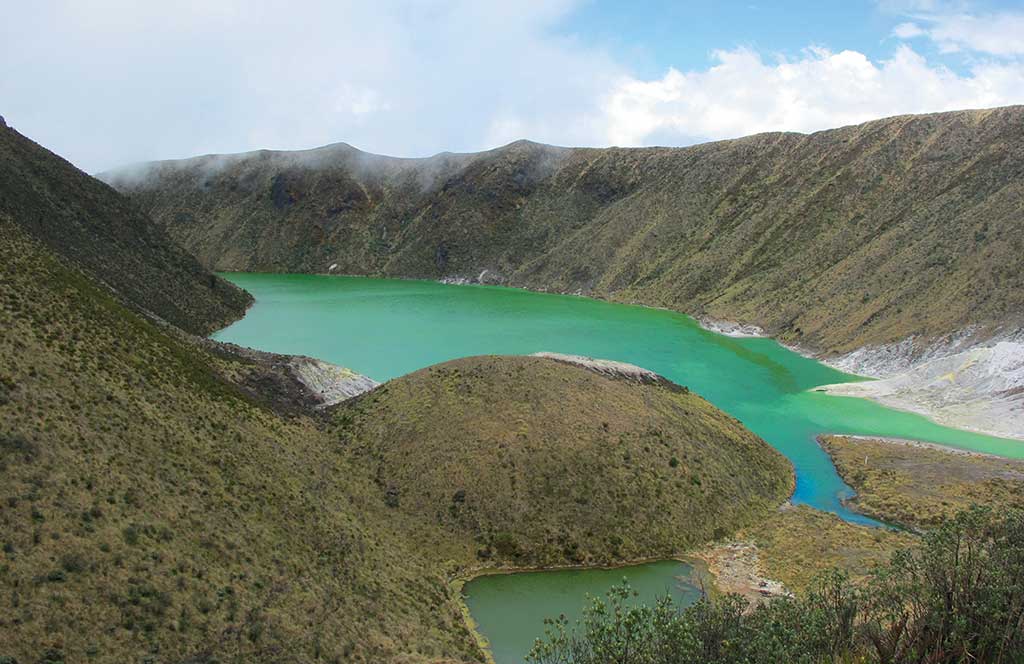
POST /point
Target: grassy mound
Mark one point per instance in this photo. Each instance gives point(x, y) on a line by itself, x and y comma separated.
point(537, 461)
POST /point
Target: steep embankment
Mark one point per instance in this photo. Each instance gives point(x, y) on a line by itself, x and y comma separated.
point(86, 223)
point(541, 460)
point(904, 228)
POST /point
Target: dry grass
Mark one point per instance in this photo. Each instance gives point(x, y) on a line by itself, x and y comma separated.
point(921, 486)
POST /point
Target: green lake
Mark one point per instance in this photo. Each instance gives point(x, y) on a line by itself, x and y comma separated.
point(385, 328)
point(510, 608)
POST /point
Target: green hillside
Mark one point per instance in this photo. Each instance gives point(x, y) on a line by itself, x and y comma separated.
point(867, 234)
point(149, 509)
point(86, 223)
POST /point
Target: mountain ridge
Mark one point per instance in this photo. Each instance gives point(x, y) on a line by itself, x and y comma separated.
point(906, 227)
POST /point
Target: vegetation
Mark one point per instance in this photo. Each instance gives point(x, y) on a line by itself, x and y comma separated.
point(958, 598)
point(907, 226)
point(87, 224)
point(169, 499)
point(921, 486)
point(149, 508)
point(539, 462)
point(794, 546)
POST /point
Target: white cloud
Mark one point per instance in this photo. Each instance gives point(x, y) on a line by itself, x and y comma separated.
point(109, 81)
point(742, 94)
point(908, 30)
point(999, 34)
point(105, 82)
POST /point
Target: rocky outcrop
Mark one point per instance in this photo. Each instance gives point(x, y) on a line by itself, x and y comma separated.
point(609, 368)
point(331, 383)
point(980, 389)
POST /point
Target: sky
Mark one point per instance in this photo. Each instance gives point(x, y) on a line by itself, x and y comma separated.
point(110, 82)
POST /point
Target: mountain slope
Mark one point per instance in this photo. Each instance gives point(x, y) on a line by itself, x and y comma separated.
point(150, 509)
point(89, 224)
point(905, 227)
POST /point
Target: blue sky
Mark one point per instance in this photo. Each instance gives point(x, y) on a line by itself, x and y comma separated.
point(654, 35)
point(108, 82)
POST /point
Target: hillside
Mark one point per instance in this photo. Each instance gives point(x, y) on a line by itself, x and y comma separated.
point(171, 499)
point(535, 460)
point(907, 227)
point(151, 509)
point(88, 224)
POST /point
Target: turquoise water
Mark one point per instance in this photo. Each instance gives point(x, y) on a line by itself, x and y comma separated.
point(510, 608)
point(385, 328)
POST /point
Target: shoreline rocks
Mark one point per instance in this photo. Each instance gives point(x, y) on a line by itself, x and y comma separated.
point(981, 390)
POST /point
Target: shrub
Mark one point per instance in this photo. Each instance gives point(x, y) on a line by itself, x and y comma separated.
point(505, 544)
point(17, 446)
point(959, 598)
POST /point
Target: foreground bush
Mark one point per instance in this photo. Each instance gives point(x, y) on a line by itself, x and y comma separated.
point(957, 598)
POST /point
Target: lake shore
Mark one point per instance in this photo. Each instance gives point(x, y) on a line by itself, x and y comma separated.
point(978, 411)
point(980, 390)
point(903, 373)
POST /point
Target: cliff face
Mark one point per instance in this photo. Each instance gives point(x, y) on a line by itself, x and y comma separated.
point(90, 226)
point(864, 235)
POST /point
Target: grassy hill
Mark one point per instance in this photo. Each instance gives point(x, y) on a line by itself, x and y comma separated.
point(169, 499)
point(534, 461)
point(86, 223)
point(907, 226)
point(151, 509)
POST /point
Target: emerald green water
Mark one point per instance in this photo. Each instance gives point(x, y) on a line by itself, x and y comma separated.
point(510, 608)
point(385, 328)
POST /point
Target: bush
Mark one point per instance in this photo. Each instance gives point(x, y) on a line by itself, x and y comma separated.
point(959, 598)
point(16, 445)
point(505, 544)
